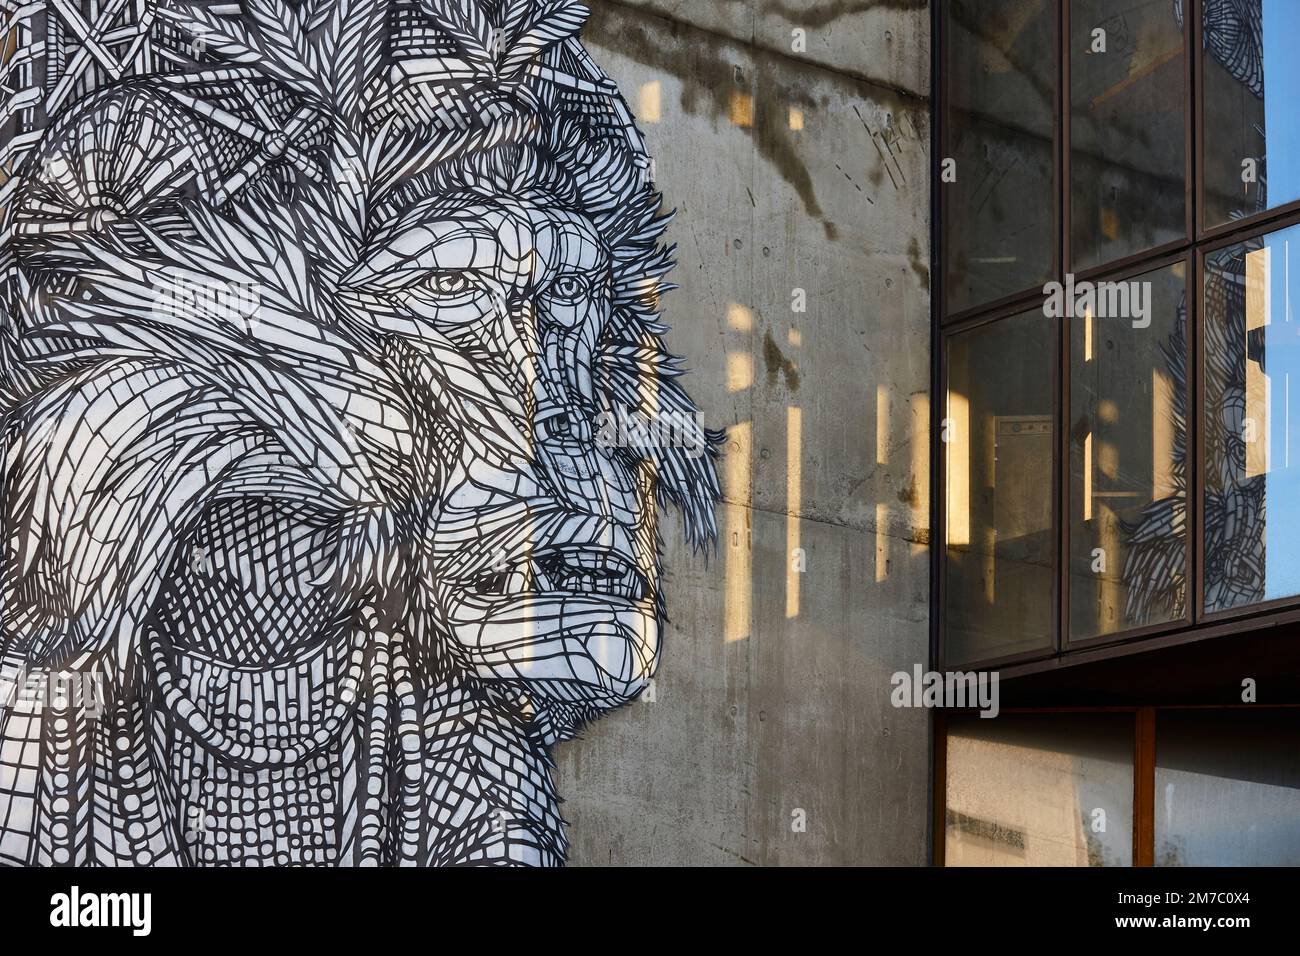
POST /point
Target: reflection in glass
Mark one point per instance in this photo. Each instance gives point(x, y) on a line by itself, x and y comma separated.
point(1252, 127)
point(1252, 421)
point(1127, 139)
point(1228, 788)
point(1040, 790)
point(1000, 81)
point(999, 454)
point(1128, 482)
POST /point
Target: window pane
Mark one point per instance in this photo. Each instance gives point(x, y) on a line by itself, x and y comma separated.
point(1127, 139)
point(1228, 788)
point(999, 221)
point(1251, 82)
point(1128, 480)
point(999, 453)
point(1252, 421)
point(1040, 790)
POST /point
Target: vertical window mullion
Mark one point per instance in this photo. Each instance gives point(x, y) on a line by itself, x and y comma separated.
point(1059, 475)
point(1196, 436)
point(1195, 278)
point(1144, 787)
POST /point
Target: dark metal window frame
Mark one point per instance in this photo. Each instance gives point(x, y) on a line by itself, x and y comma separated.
point(1192, 248)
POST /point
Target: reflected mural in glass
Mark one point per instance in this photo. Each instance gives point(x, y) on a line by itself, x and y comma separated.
point(1039, 790)
point(998, 445)
point(1252, 421)
point(1251, 80)
point(999, 95)
point(1127, 129)
point(1228, 788)
point(1128, 479)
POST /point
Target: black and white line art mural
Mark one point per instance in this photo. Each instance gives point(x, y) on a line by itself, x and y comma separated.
point(313, 314)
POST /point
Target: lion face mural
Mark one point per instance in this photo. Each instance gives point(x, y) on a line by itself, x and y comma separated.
point(310, 323)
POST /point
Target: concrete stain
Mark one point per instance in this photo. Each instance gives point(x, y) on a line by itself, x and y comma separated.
point(908, 495)
point(778, 364)
point(826, 13)
point(918, 264)
point(711, 81)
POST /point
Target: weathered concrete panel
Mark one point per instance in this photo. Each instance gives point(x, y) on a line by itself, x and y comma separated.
point(773, 694)
point(884, 41)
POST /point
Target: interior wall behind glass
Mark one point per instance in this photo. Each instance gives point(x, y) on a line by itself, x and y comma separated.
point(1128, 476)
point(1000, 90)
point(999, 449)
point(1040, 790)
point(1127, 141)
point(1228, 788)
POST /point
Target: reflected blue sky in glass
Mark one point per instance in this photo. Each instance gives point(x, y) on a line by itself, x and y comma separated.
point(1211, 820)
point(1282, 365)
point(1281, 91)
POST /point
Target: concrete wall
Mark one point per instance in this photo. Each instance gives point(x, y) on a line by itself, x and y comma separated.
point(788, 171)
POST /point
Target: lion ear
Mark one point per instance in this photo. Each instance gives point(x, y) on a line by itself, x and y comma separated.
point(101, 477)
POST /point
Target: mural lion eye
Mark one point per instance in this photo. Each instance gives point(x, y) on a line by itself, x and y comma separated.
point(569, 289)
point(449, 284)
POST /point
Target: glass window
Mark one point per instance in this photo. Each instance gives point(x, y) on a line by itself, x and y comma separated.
point(1251, 79)
point(1252, 467)
point(1127, 140)
point(1000, 93)
point(1128, 439)
point(1227, 788)
point(1040, 790)
point(999, 451)
point(1135, 540)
